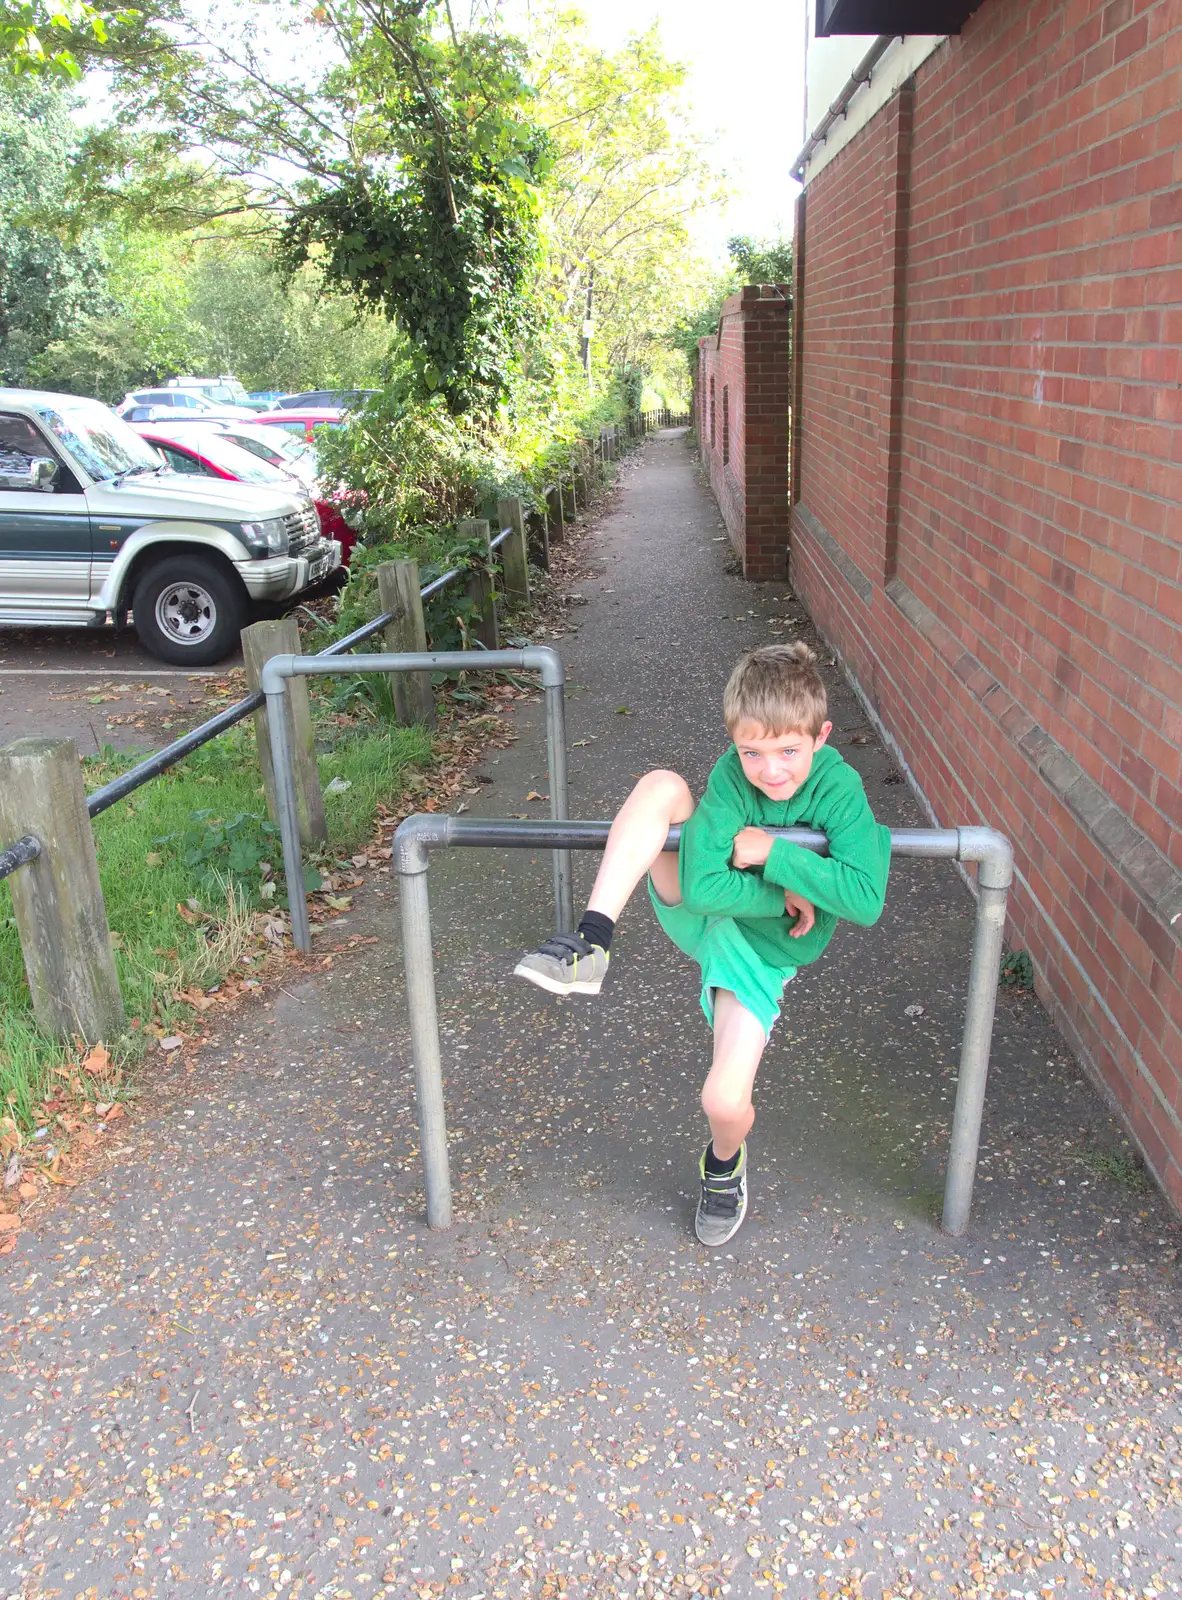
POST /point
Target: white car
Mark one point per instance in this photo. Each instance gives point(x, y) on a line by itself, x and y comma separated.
point(174, 402)
point(93, 524)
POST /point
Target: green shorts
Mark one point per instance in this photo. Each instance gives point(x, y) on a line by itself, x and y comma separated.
point(727, 961)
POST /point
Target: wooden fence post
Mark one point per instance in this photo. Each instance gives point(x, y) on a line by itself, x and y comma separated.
point(538, 524)
point(480, 585)
point(554, 516)
point(514, 553)
point(398, 592)
point(260, 642)
point(58, 899)
point(572, 515)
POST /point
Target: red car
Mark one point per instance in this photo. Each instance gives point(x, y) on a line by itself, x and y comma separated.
point(304, 424)
point(209, 452)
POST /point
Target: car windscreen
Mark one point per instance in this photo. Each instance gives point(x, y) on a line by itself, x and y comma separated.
point(98, 440)
point(232, 458)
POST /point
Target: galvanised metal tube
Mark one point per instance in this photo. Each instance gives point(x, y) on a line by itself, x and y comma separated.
point(424, 1031)
point(287, 805)
point(119, 788)
point(422, 833)
point(19, 855)
point(276, 672)
point(559, 802)
point(995, 873)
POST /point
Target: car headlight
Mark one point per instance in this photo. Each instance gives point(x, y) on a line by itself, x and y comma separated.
point(269, 537)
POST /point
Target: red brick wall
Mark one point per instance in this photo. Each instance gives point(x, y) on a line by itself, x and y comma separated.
point(746, 361)
point(988, 475)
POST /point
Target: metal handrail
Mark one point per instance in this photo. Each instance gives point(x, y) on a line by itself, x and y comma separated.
point(19, 854)
point(424, 832)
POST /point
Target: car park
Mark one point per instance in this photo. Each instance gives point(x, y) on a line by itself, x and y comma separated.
point(94, 525)
point(230, 450)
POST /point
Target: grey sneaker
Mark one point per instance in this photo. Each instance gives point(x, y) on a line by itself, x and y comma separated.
point(722, 1203)
point(565, 964)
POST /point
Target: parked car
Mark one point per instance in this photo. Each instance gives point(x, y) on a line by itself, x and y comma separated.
point(230, 450)
point(180, 402)
point(264, 399)
point(223, 391)
point(93, 524)
point(303, 424)
point(318, 399)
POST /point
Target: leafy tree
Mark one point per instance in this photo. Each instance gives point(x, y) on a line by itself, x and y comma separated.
point(36, 35)
point(629, 172)
point(760, 260)
point(393, 151)
point(47, 286)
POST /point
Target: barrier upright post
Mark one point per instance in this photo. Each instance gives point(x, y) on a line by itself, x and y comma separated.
point(994, 875)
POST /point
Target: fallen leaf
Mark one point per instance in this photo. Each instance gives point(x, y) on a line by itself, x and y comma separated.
point(533, 795)
point(64, 1183)
point(8, 1245)
point(622, 711)
point(27, 1190)
point(9, 1222)
point(172, 1042)
point(338, 902)
point(97, 1061)
point(153, 859)
point(12, 1173)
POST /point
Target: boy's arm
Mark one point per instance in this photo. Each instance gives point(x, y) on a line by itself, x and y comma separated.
point(710, 886)
point(851, 881)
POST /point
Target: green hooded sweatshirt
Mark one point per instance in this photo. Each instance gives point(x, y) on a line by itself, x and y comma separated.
point(849, 882)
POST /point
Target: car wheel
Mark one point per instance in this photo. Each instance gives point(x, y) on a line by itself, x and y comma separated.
point(189, 610)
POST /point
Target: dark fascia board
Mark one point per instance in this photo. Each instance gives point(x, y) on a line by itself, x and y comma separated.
point(891, 16)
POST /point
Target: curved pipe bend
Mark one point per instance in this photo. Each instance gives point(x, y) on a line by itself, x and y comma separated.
point(992, 851)
point(416, 835)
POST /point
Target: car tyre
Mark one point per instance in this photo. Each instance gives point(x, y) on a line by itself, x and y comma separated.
point(189, 610)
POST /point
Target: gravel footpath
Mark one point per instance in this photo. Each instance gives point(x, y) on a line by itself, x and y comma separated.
point(237, 1362)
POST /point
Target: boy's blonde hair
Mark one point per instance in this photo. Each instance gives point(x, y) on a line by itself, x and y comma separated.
point(778, 688)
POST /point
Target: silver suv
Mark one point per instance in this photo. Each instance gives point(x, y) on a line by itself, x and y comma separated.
point(93, 524)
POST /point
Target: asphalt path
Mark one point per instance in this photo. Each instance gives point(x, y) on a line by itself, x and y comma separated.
point(237, 1362)
point(101, 688)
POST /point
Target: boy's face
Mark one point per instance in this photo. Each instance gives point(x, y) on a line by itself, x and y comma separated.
point(780, 764)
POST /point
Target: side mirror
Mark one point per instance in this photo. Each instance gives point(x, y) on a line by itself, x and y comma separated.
point(44, 473)
point(40, 474)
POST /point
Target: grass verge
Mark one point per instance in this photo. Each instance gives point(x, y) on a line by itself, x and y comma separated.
point(182, 901)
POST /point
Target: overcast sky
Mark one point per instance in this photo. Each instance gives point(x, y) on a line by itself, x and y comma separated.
point(746, 60)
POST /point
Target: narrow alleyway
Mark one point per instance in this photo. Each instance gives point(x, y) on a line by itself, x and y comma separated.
point(238, 1361)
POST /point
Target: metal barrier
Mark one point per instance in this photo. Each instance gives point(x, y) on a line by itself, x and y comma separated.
point(533, 658)
point(19, 855)
point(422, 833)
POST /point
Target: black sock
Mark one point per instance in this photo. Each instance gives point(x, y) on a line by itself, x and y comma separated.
point(718, 1168)
point(597, 929)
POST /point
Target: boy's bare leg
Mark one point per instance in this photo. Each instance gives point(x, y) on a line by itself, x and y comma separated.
point(576, 963)
point(726, 1095)
point(726, 1099)
point(636, 842)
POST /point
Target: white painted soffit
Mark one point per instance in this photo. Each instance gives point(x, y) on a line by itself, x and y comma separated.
point(903, 57)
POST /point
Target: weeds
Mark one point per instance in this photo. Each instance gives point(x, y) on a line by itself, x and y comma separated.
point(1017, 971)
point(1123, 1167)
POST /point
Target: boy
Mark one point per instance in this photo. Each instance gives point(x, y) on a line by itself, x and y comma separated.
point(749, 909)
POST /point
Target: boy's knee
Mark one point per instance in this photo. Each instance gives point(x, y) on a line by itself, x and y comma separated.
point(666, 787)
point(721, 1104)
